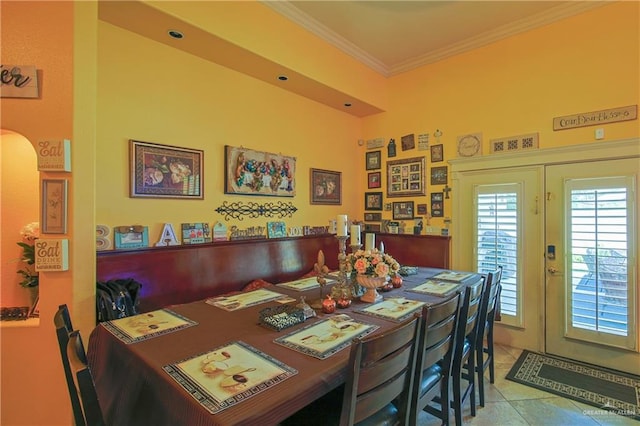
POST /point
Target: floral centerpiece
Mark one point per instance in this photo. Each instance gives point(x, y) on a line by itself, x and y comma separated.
point(371, 269)
point(30, 234)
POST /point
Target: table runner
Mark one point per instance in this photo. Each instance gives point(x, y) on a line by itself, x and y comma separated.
point(228, 375)
point(327, 337)
point(394, 308)
point(243, 300)
point(148, 325)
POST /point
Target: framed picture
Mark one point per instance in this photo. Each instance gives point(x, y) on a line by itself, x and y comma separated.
point(54, 206)
point(403, 210)
point(437, 153)
point(373, 180)
point(373, 160)
point(196, 233)
point(276, 229)
point(326, 187)
point(406, 177)
point(437, 206)
point(129, 237)
point(422, 209)
point(373, 200)
point(372, 217)
point(372, 227)
point(408, 142)
point(163, 171)
point(251, 172)
point(439, 175)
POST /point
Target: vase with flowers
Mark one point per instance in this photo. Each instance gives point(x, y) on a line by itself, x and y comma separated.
point(30, 234)
point(371, 269)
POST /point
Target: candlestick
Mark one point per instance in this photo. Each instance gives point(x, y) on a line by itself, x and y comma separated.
point(355, 234)
point(370, 241)
point(341, 224)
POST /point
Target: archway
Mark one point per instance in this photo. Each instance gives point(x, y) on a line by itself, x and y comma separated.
point(19, 206)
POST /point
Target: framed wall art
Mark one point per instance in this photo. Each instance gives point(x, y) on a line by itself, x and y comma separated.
point(54, 206)
point(422, 209)
point(373, 180)
point(437, 153)
point(373, 160)
point(373, 200)
point(164, 171)
point(406, 177)
point(439, 175)
point(130, 237)
point(437, 207)
point(372, 217)
point(403, 210)
point(251, 172)
point(326, 187)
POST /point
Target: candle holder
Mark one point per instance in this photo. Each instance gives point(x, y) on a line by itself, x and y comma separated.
point(355, 247)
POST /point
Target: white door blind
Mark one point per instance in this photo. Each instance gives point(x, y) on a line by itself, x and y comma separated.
point(598, 231)
point(498, 235)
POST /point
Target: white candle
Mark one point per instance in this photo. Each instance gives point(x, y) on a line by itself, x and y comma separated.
point(381, 247)
point(369, 241)
point(342, 225)
point(355, 235)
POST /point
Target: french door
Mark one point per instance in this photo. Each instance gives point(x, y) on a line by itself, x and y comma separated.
point(591, 264)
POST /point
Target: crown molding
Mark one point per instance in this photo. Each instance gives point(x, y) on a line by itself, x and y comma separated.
point(549, 16)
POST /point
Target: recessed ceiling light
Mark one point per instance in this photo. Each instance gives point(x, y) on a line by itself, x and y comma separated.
point(175, 34)
point(283, 78)
point(347, 104)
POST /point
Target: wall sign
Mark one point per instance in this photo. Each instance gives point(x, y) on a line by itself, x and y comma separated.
point(54, 156)
point(52, 254)
point(595, 118)
point(18, 81)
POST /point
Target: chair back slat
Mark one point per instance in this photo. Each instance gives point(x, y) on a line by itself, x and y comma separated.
point(435, 346)
point(381, 370)
point(62, 322)
point(83, 380)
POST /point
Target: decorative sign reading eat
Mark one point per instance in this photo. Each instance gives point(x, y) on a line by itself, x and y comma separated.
point(54, 155)
point(52, 254)
point(18, 81)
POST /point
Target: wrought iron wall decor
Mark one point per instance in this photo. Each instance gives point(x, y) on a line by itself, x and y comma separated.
point(238, 209)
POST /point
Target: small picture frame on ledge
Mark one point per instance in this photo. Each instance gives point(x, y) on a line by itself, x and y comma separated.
point(131, 237)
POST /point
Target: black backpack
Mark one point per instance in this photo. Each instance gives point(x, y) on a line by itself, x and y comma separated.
point(117, 299)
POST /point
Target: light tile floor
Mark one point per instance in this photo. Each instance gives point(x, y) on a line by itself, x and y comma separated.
point(510, 404)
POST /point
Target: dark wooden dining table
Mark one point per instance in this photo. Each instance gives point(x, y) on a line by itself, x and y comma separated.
point(134, 389)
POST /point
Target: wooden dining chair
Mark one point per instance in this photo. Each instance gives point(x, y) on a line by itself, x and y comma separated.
point(377, 390)
point(463, 366)
point(83, 382)
point(62, 322)
point(484, 344)
point(433, 360)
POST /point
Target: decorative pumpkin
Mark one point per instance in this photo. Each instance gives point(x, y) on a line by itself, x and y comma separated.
point(396, 281)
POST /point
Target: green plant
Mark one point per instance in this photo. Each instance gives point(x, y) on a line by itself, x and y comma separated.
point(29, 234)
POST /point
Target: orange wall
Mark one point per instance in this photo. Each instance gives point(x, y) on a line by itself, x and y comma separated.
point(517, 86)
point(41, 34)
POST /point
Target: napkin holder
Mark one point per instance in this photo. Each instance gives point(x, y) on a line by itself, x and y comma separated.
point(280, 317)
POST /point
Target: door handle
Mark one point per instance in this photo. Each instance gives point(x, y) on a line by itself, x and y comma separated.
point(552, 270)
